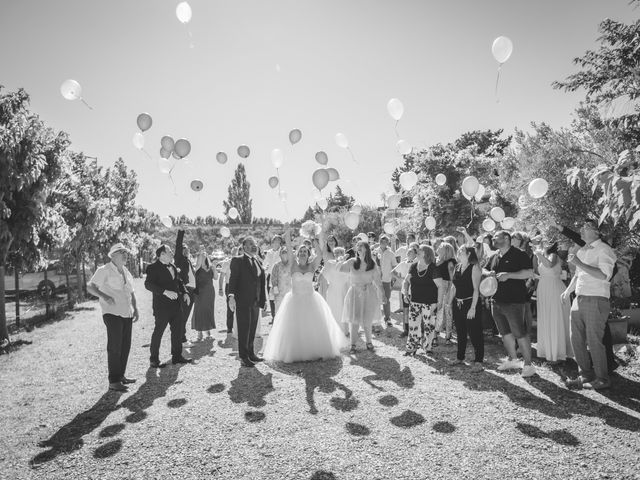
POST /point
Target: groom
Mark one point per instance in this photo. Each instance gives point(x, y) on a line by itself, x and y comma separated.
point(246, 298)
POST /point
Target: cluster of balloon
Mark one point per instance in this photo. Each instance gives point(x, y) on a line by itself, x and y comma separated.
point(342, 142)
point(244, 151)
point(184, 14)
point(225, 232)
point(538, 188)
point(233, 213)
point(71, 90)
point(430, 223)
point(144, 122)
point(408, 180)
point(196, 185)
point(295, 136)
point(488, 225)
point(441, 179)
point(221, 158)
point(502, 48)
point(166, 221)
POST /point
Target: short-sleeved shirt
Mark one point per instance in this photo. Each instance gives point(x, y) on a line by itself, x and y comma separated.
point(512, 290)
point(387, 263)
point(423, 288)
point(117, 285)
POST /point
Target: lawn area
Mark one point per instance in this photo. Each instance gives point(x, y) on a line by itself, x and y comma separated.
point(364, 416)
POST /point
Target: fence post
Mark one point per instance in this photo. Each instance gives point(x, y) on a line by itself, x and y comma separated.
point(46, 294)
point(17, 279)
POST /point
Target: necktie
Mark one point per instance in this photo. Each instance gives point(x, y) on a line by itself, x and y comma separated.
point(255, 265)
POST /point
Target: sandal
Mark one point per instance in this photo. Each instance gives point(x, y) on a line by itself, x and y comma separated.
point(370, 347)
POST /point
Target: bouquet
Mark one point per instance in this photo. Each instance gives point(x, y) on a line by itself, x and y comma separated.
point(310, 229)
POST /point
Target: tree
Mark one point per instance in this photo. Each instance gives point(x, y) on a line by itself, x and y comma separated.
point(239, 196)
point(30, 161)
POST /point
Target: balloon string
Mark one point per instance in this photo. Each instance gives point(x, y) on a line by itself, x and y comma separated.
point(191, 44)
point(497, 82)
point(175, 190)
point(396, 129)
point(472, 210)
point(147, 154)
point(352, 155)
point(88, 106)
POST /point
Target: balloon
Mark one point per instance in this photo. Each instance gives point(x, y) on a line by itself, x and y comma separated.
point(175, 155)
point(166, 221)
point(321, 158)
point(389, 228)
point(538, 188)
point(430, 222)
point(164, 153)
point(243, 151)
point(167, 143)
point(233, 213)
point(183, 12)
point(502, 48)
point(403, 147)
point(295, 136)
point(277, 157)
point(488, 286)
point(138, 140)
point(182, 147)
point(333, 174)
point(408, 180)
point(221, 157)
point(508, 223)
point(196, 185)
point(470, 186)
point(357, 209)
point(273, 182)
point(351, 220)
point(363, 237)
point(488, 225)
point(164, 165)
point(480, 193)
point(320, 178)
point(71, 90)
point(393, 201)
point(225, 232)
point(468, 197)
point(144, 122)
point(317, 194)
point(441, 179)
point(283, 196)
point(497, 214)
point(323, 203)
point(395, 109)
point(341, 140)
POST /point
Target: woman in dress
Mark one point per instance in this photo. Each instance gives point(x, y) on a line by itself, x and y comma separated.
point(401, 271)
point(323, 281)
point(365, 294)
point(446, 264)
point(422, 293)
point(338, 287)
point(204, 306)
point(281, 278)
point(554, 342)
point(304, 327)
point(467, 306)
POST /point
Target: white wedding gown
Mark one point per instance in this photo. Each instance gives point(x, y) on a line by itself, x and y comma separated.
point(304, 327)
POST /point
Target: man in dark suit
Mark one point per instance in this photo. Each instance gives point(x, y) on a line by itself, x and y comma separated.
point(246, 298)
point(168, 290)
point(187, 274)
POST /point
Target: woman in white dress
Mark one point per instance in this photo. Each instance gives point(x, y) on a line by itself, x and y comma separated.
point(554, 342)
point(365, 294)
point(304, 327)
point(338, 287)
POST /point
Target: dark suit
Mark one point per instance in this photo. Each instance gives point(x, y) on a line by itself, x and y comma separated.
point(165, 310)
point(185, 266)
point(248, 287)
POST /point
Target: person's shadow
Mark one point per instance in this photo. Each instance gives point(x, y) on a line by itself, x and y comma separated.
point(251, 387)
point(384, 369)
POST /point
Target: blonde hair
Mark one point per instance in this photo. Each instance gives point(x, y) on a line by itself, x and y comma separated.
point(446, 251)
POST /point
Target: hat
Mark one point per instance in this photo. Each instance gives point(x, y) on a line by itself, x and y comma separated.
point(118, 247)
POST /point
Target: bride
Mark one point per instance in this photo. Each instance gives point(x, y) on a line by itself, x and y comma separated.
point(304, 327)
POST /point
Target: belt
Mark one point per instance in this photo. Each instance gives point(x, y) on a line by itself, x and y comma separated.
point(462, 300)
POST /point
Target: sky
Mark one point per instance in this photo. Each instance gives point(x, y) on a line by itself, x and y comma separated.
point(249, 71)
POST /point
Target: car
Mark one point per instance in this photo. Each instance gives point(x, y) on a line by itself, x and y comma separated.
point(34, 282)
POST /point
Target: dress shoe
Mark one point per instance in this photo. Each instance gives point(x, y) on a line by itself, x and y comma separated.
point(155, 364)
point(597, 384)
point(256, 359)
point(247, 363)
point(182, 360)
point(118, 387)
point(126, 381)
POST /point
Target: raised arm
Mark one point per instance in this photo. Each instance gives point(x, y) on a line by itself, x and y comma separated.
point(345, 267)
point(469, 242)
point(287, 241)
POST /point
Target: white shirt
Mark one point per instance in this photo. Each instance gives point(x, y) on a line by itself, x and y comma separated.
point(402, 269)
point(271, 258)
point(402, 252)
point(226, 270)
point(599, 255)
point(110, 281)
point(387, 263)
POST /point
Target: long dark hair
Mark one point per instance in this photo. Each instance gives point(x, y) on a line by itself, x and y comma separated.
point(329, 237)
point(367, 257)
point(473, 256)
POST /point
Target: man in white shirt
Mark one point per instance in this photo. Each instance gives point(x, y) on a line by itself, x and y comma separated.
point(401, 253)
point(272, 257)
point(590, 309)
point(113, 285)
point(223, 285)
point(387, 262)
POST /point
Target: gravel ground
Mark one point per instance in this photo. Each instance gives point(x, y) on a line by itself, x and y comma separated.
point(364, 416)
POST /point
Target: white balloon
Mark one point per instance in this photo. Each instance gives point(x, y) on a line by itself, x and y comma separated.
point(277, 157)
point(393, 201)
point(341, 140)
point(164, 165)
point(497, 214)
point(430, 222)
point(538, 188)
point(351, 220)
point(183, 12)
point(470, 186)
point(225, 232)
point(283, 196)
point(468, 197)
point(408, 180)
point(357, 209)
point(166, 221)
point(480, 193)
point(508, 223)
point(233, 213)
point(395, 109)
point(502, 49)
point(71, 90)
point(322, 203)
point(138, 140)
point(488, 225)
point(404, 147)
point(316, 194)
point(389, 228)
point(441, 179)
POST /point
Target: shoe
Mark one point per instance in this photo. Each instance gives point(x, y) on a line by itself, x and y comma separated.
point(574, 383)
point(126, 381)
point(597, 384)
point(157, 364)
point(509, 365)
point(370, 347)
point(353, 349)
point(256, 359)
point(528, 371)
point(247, 363)
point(476, 367)
point(182, 360)
point(458, 362)
point(118, 387)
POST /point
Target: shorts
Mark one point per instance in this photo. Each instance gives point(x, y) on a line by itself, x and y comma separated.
point(510, 318)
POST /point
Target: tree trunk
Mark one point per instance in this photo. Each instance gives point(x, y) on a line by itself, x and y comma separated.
point(17, 280)
point(79, 293)
point(4, 333)
point(47, 307)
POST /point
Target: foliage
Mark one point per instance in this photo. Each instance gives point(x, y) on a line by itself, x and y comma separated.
point(239, 196)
